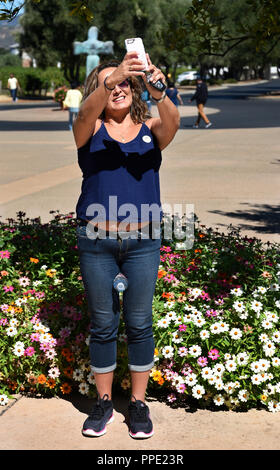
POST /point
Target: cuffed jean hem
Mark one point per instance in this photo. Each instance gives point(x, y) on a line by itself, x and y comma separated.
point(103, 370)
point(140, 368)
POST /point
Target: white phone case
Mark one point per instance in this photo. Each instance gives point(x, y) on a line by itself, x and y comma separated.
point(136, 44)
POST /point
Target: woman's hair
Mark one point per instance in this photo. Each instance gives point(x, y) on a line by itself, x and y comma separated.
point(138, 110)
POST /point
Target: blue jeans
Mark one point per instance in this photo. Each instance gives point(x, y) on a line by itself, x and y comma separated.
point(100, 261)
point(14, 94)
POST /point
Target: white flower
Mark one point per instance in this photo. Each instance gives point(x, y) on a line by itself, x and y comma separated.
point(236, 291)
point(215, 328)
point(78, 375)
point(274, 287)
point(167, 352)
point(230, 365)
point(199, 321)
point(267, 325)
point(191, 379)
point(277, 303)
point(169, 304)
point(224, 326)
point(195, 292)
point(18, 348)
point(219, 384)
point(83, 388)
point(18, 302)
point(218, 400)
point(90, 378)
point(239, 306)
point(270, 389)
point(179, 319)
point(195, 350)
point(229, 387)
point(177, 337)
point(177, 380)
point(44, 267)
point(204, 334)
point(256, 306)
point(242, 358)
point(255, 366)
point(275, 361)
point(45, 337)
point(269, 348)
point(171, 315)
point(264, 364)
point(163, 322)
point(4, 400)
point(198, 391)
point(37, 283)
point(235, 333)
point(262, 290)
point(256, 379)
point(206, 372)
point(263, 337)
point(243, 395)
point(54, 372)
point(276, 337)
point(218, 369)
point(271, 316)
point(11, 331)
point(273, 406)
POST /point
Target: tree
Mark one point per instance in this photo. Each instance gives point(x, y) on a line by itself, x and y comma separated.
point(48, 34)
point(215, 27)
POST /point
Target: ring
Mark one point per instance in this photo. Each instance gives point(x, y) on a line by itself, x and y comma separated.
point(130, 69)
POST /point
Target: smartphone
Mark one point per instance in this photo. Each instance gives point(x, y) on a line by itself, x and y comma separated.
point(136, 44)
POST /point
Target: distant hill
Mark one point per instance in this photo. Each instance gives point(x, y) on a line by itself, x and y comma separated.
point(8, 31)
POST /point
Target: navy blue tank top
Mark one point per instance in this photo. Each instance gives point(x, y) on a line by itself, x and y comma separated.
point(120, 180)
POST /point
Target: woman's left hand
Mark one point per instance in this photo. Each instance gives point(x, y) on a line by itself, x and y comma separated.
point(156, 75)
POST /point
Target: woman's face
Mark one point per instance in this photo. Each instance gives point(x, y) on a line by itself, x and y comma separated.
point(121, 97)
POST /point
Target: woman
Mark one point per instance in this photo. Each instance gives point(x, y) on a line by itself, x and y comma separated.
point(72, 102)
point(119, 152)
point(201, 96)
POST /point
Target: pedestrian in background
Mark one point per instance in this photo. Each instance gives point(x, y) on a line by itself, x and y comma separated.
point(72, 102)
point(201, 96)
point(13, 86)
point(173, 94)
point(145, 96)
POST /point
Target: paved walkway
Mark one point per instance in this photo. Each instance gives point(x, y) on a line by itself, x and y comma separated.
point(228, 172)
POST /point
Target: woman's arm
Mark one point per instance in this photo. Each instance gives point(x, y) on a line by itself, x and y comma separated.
point(95, 103)
point(166, 126)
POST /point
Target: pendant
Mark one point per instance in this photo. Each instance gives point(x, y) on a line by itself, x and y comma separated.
point(123, 140)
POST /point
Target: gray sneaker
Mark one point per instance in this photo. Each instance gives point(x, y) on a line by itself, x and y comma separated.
point(102, 414)
point(208, 125)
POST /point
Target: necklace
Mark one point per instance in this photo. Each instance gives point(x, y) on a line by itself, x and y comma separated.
point(123, 138)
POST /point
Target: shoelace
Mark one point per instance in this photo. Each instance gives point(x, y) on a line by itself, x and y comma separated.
point(98, 410)
point(139, 411)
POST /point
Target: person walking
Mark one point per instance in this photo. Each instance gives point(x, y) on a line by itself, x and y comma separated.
point(13, 86)
point(201, 96)
point(119, 153)
point(72, 102)
point(174, 95)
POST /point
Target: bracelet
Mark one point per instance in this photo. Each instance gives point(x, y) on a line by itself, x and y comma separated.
point(106, 86)
point(160, 99)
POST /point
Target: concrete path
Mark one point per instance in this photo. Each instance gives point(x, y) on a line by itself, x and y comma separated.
point(230, 174)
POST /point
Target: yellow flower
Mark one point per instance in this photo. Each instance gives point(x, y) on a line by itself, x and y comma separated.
point(51, 272)
point(263, 397)
point(34, 260)
point(156, 352)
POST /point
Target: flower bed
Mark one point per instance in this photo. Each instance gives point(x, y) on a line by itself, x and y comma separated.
point(216, 318)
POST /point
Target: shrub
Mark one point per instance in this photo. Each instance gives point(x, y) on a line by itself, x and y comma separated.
point(216, 318)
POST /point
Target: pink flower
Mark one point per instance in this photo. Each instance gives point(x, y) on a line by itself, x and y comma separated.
point(211, 313)
point(8, 288)
point(213, 354)
point(171, 397)
point(181, 388)
point(202, 361)
point(4, 254)
point(35, 337)
point(182, 351)
point(182, 327)
point(29, 351)
point(3, 321)
point(4, 307)
point(24, 281)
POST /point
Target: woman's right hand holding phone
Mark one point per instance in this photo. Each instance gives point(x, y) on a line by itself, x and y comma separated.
point(130, 66)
